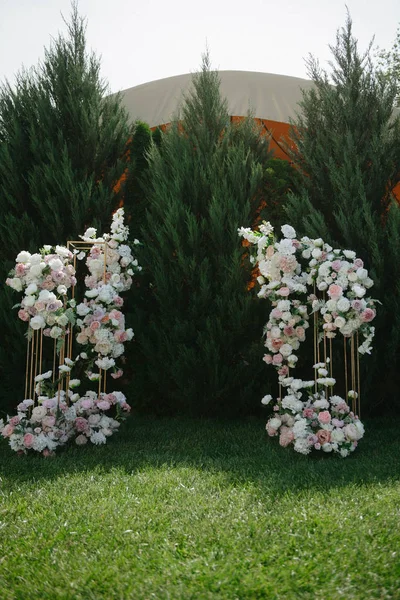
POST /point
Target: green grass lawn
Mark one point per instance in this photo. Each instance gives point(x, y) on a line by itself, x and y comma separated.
point(187, 509)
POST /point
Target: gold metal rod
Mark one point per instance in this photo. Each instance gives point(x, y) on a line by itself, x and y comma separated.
point(345, 367)
point(27, 369)
point(41, 351)
point(358, 377)
point(54, 360)
point(31, 382)
point(36, 335)
point(330, 356)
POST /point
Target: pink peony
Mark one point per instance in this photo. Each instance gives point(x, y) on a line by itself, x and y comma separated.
point(29, 438)
point(8, 431)
point(308, 413)
point(81, 424)
point(324, 417)
point(277, 359)
point(286, 436)
point(103, 405)
point(23, 315)
point(288, 330)
point(367, 315)
point(283, 291)
point(86, 403)
point(335, 291)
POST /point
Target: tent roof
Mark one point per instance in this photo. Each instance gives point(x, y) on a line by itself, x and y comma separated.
point(268, 96)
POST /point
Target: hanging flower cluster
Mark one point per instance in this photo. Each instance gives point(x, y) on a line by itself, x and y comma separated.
point(302, 277)
point(44, 278)
point(61, 415)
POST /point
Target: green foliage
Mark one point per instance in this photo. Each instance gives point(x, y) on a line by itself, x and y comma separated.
point(62, 151)
point(347, 150)
point(205, 182)
point(280, 178)
point(389, 62)
point(199, 509)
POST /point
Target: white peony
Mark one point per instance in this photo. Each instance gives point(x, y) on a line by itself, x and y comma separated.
point(288, 231)
point(23, 257)
point(37, 322)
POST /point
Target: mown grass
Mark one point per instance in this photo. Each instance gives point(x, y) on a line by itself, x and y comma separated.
point(187, 509)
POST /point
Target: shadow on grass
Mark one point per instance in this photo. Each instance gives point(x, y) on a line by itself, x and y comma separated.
point(239, 450)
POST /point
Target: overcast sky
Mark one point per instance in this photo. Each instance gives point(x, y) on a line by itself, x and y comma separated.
point(144, 40)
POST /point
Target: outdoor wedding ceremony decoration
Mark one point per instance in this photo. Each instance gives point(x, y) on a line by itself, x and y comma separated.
point(88, 338)
point(312, 285)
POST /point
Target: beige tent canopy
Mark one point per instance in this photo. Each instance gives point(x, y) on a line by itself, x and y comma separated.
point(268, 96)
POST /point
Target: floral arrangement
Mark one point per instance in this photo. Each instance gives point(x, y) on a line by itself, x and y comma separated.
point(302, 278)
point(55, 415)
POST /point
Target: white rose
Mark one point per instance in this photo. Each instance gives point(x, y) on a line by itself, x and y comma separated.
point(349, 254)
point(37, 322)
point(36, 270)
point(38, 413)
point(343, 305)
point(62, 320)
point(31, 289)
point(44, 296)
point(306, 254)
point(29, 300)
point(55, 332)
point(92, 293)
point(322, 286)
point(275, 423)
point(62, 290)
point(286, 350)
point(359, 290)
point(15, 283)
point(327, 447)
point(337, 436)
point(318, 242)
point(23, 257)
point(266, 400)
point(55, 264)
point(352, 276)
point(62, 251)
point(82, 309)
point(288, 231)
point(340, 322)
point(35, 259)
point(90, 232)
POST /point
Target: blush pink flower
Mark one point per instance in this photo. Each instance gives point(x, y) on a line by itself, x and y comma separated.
point(118, 374)
point(308, 413)
point(86, 403)
point(94, 325)
point(8, 430)
point(118, 301)
point(14, 420)
point(276, 313)
point(324, 417)
point(286, 436)
point(283, 291)
point(270, 430)
point(276, 343)
point(336, 265)
point(335, 291)
point(358, 263)
point(288, 330)
point(301, 333)
point(284, 370)
point(267, 358)
point(29, 438)
point(323, 436)
point(277, 359)
point(367, 315)
point(23, 315)
point(81, 424)
point(103, 405)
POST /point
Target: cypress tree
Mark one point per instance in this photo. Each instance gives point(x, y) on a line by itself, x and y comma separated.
point(62, 151)
point(204, 327)
point(347, 150)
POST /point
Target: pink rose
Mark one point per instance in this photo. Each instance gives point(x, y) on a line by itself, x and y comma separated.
point(94, 325)
point(126, 407)
point(284, 370)
point(276, 313)
point(323, 436)
point(23, 315)
point(277, 359)
point(276, 343)
point(267, 358)
point(368, 315)
point(86, 404)
point(103, 405)
point(324, 417)
point(48, 421)
point(20, 269)
point(335, 291)
point(81, 338)
point(286, 436)
point(288, 330)
point(270, 430)
point(81, 424)
point(336, 265)
point(358, 263)
point(308, 413)
point(357, 304)
point(8, 431)
point(301, 333)
point(337, 423)
point(118, 301)
point(14, 421)
point(284, 291)
point(29, 438)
